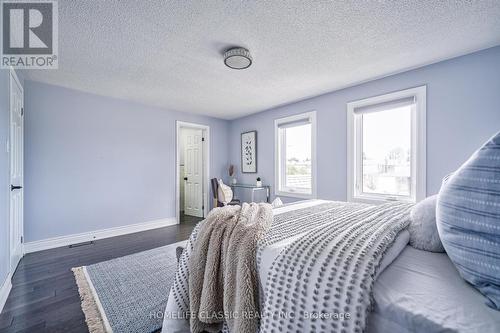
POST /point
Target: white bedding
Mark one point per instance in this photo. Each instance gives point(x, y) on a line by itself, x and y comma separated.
point(416, 291)
point(408, 292)
point(268, 256)
point(419, 292)
point(423, 292)
point(270, 252)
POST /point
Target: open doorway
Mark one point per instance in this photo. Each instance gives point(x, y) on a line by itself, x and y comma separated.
point(192, 171)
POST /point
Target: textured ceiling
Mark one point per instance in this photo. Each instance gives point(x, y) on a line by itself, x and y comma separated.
point(169, 53)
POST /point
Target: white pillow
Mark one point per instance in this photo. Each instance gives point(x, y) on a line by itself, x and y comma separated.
point(277, 202)
point(225, 194)
point(423, 229)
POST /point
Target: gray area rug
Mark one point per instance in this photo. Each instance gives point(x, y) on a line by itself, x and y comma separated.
point(128, 294)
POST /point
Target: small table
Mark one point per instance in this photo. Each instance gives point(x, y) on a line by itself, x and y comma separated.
point(254, 188)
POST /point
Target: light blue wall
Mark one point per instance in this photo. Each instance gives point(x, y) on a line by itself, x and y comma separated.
point(95, 162)
point(463, 110)
point(4, 175)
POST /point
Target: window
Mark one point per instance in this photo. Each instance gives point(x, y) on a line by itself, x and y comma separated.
point(386, 147)
point(295, 139)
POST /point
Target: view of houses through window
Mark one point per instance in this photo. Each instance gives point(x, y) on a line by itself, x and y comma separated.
point(298, 157)
point(386, 152)
point(295, 154)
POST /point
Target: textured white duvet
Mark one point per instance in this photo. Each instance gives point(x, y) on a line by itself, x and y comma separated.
point(270, 252)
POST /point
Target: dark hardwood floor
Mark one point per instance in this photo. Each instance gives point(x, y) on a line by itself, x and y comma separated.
point(189, 219)
point(44, 296)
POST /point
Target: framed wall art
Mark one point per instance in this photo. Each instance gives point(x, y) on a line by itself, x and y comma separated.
point(249, 152)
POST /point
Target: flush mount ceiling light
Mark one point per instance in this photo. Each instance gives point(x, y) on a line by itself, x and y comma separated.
point(237, 58)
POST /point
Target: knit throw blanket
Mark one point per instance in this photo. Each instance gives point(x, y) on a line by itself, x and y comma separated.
point(222, 268)
point(322, 280)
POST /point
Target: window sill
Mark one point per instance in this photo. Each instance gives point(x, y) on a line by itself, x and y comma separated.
point(294, 195)
point(377, 200)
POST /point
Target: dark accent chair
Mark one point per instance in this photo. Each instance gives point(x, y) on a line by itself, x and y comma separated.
point(215, 191)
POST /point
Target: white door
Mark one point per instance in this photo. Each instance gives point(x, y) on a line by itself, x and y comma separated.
point(16, 171)
point(193, 172)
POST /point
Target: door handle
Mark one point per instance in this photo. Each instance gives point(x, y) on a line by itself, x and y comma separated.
point(12, 187)
point(185, 178)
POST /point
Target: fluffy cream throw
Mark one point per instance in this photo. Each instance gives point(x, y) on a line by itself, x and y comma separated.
point(223, 284)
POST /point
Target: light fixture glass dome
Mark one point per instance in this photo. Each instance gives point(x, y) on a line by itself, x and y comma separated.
point(237, 58)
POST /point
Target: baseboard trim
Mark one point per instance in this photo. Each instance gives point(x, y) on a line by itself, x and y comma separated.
point(51, 243)
point(4, 291)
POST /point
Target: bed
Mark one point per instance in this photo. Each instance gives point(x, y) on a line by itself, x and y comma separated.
point(414, 291)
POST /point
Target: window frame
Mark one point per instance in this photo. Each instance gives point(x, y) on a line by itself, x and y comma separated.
point(418, 147)
point(279, 155)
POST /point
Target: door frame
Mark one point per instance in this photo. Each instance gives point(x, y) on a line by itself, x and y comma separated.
point(13, 77)
point(206, 168)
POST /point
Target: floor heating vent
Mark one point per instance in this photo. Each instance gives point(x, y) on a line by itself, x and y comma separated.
point(82, 244)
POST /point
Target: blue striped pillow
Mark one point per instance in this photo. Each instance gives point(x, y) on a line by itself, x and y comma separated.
point(468, 220)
